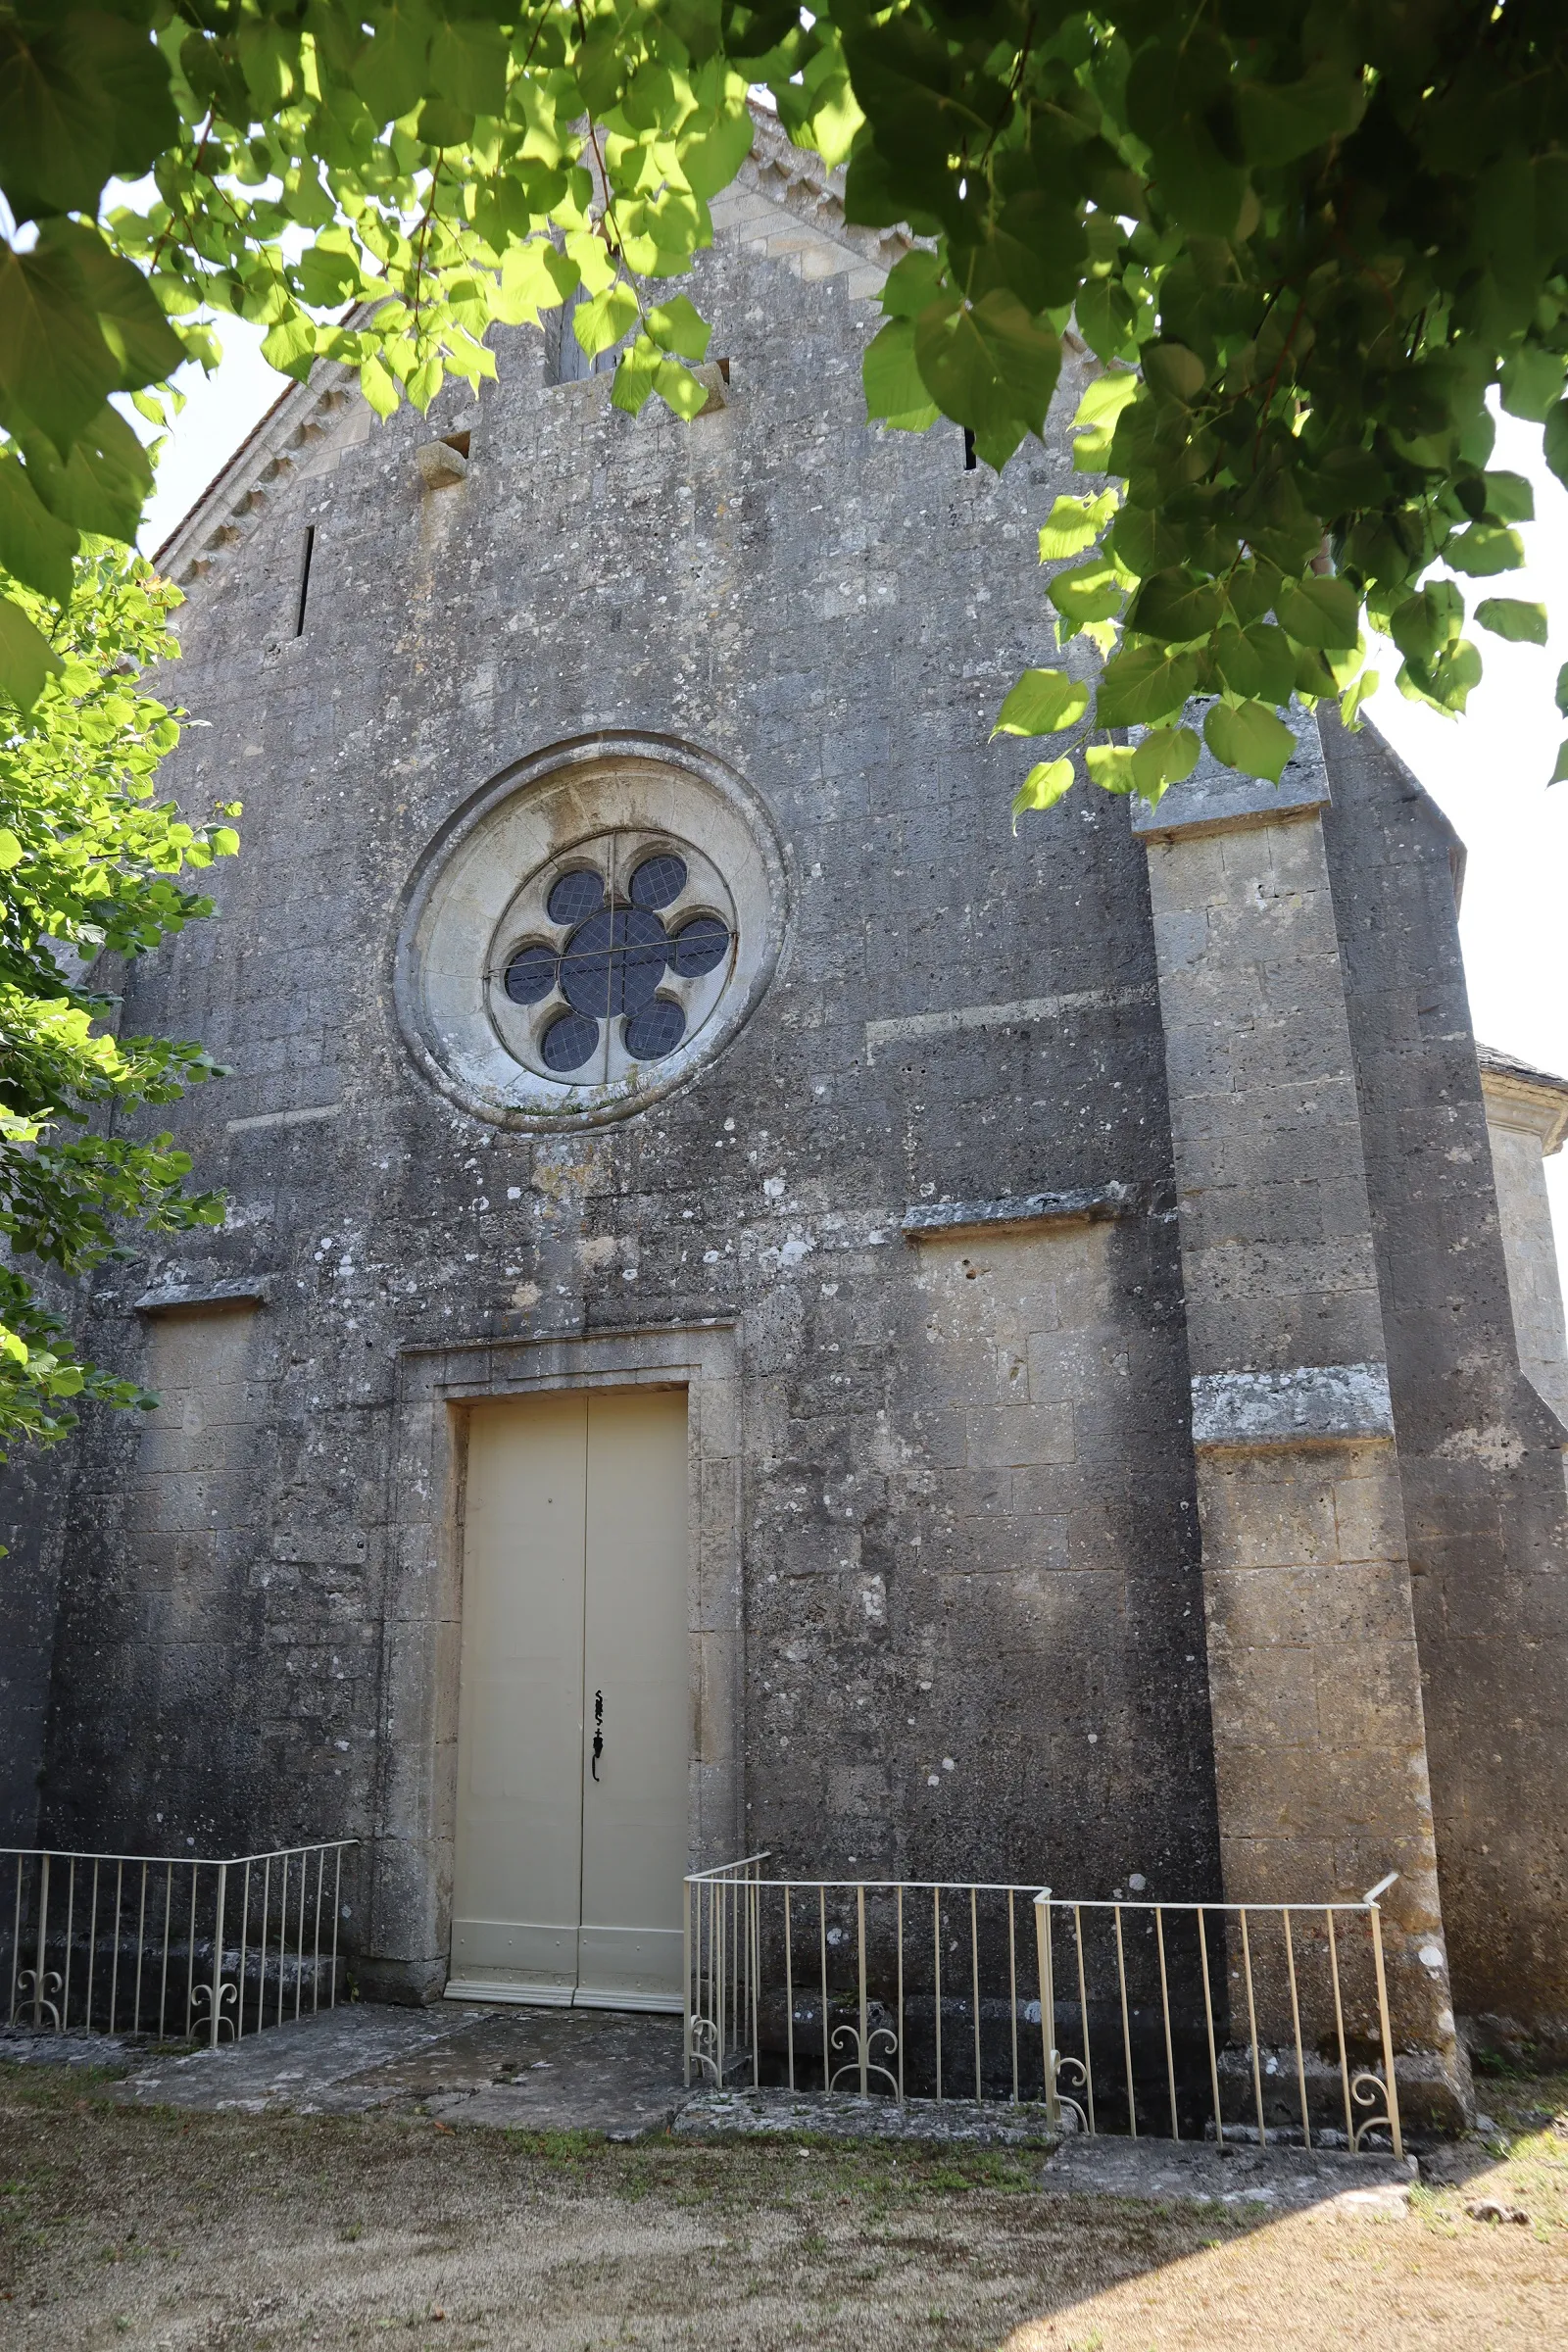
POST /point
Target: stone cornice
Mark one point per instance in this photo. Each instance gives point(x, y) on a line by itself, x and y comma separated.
point(1517, 1096)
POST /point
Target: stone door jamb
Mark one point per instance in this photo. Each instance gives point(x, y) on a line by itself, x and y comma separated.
point(409, 1926)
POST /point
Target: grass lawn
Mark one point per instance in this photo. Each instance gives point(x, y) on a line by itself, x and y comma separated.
point(150, 2226)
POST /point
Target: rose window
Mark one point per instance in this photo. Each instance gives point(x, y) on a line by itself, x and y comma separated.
point(610, 958)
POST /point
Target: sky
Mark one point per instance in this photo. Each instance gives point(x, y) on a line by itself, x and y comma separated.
point(1488, 770)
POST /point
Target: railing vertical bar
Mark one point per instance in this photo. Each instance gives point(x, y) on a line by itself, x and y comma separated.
point(338, 1904)
point(1047, 1971)
point(1012, 1989)
point(141, 1948)
point(974, 1982)
point(299, 1955)
point(261, 1986)
point(16, 1948)
point(936, 1946)
point(789, 1984)
point(688, 1892)
point(244, 1947)
point(114, 1966)
point(282, 1932)
point(1164, 2006)
point(1390, 2088)
point(753, 1905)
point(1083, 2015)
point(1126, 2025)
point(92, 1938)
point(1209, 2020)
point(900, 1990)
point(190, 1951)
point(70, 1932)
point(866, 2026)
point(218, 1906)
point(169, 1912)
point(1295, 2021)
point(821, 1939)
point(43, 1932)
point(1252, 2027)
point(1339, 2024)
point(316, 1948)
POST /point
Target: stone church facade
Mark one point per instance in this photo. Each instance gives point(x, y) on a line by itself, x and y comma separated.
point(1116, 1370)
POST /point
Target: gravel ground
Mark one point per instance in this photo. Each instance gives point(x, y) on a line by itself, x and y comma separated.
point(160, 2227)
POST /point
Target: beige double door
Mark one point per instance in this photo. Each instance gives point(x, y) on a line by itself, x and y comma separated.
point(573, 1716)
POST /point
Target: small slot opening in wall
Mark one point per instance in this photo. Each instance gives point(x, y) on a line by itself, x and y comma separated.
point(305, 577)
point(458, 441)
point(724, 368)
point(970, 459)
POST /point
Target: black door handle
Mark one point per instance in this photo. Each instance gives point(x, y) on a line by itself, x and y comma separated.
point(598, 1732)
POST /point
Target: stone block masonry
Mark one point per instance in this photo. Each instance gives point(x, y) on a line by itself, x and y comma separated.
point(1051, 1195)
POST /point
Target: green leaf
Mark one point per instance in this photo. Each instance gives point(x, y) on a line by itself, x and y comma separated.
point(1559, 774)
point(1360, 690)
point(1110, 767)
point(1484, 549)
point(105, 483)
point(912, 285)
point(604, 319)
point(1321, 612)
point(1166, 756)
point(1073, 524)
point(1424, 624)
point(1095, 420)
point(677, 326)
point(1042, 787)
point(711, 161)
point(895, 389)
point(1532, 381)
point(27, 658)
point(1252, 738)
point(468, 65)
point(36, 547)
point(54, 364)
point(1091, 591)
point(1555, 440)
point(1506, 617)
point(391, 71)
point(1176, 607)
point(1563, 690)
point(1142, 685)
point(991, 366)
point(1448, 683)
point(1043, 702)
point(57, 121)
point(1281, 120)
point(679, 390)
point(1509, 496)
point(10, 850)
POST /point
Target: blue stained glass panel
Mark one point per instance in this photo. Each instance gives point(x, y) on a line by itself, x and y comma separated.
point(659, 881)
point(569, 1042)
point(657, 1029)
point(699, 947)
point(575, 896)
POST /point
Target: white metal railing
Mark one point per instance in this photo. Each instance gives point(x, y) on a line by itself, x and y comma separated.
point(194, 1946)
point(1229, 2020)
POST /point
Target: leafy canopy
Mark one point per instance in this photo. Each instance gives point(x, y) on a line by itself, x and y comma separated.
point(91, 864)
point(1306, 240)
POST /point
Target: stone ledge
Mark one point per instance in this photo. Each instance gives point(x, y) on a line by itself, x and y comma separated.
point(950, 1220)
point(247, 1289)
point(1218, 800)
point(1306, 1404)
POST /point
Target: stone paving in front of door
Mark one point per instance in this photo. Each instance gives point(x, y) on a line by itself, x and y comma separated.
point(532, 2070)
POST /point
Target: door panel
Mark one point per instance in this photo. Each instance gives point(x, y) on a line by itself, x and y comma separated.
point(516, 1895)
point(636, 1655)
point(567, 1883)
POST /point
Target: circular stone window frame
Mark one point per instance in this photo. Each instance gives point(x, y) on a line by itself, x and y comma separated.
point(538, 813)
